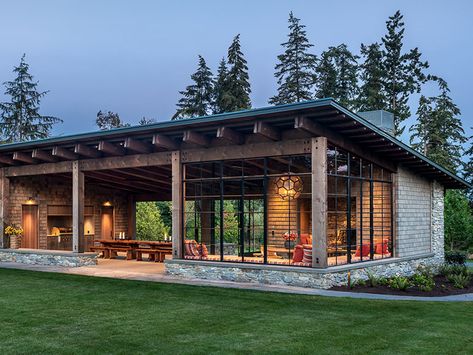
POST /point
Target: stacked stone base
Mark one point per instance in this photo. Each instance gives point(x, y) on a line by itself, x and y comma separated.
point(299, 277)
point(48, 258)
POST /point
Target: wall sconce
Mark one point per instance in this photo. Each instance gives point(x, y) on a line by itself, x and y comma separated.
point(107, 204)
point(289, 186)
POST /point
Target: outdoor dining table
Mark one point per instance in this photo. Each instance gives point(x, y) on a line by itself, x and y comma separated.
point(134, 244)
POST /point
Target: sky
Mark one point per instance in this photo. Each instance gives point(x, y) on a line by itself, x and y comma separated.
point(133, 57)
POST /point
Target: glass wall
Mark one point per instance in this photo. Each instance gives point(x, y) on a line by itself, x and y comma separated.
point(251, 210)
point(260, 210)
point(359, 209)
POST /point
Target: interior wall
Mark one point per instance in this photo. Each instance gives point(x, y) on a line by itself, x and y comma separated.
point(50, 190)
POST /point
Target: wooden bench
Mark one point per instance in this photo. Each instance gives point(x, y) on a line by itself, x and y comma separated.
point(113, 251)
point(105, 251)
point(156, 255)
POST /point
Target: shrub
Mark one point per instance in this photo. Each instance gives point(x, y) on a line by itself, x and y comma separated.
point(452, 269)
point(360, 282)
point(399, 283)
point(455, 257)
point(425, 282)
point(383, 281)
point(460, 280)
point(372, 279)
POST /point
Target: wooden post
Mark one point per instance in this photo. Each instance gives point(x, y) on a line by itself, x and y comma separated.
point(319, 202)
point(4, 197)
point(77, 208)
point(177, 201)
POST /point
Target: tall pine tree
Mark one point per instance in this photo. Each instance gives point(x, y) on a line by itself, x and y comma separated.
point(197, 98)
point(221, 92)
point(371, 95)
point(438, 132)
point(238, 79)
point(20, 118)
point(327, 74)
point(296, 68)
point(468, 168)
point(403, 72)
point(337, 75)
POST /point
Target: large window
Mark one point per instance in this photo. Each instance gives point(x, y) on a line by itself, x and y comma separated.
point(359, 226)
point(252, 210)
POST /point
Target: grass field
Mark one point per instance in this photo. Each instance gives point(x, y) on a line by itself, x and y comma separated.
point(54, 313)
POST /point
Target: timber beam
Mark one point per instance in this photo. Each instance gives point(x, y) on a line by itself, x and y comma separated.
point(86, 151)
point(110, 148)
point(137, 146)
point(230, 135)
point(23, 157)
point(43, 155)
point(266, 130)
point(314, 128)
point(162, 141)
point(195, 138)
point(7, 160)
point(64, 153)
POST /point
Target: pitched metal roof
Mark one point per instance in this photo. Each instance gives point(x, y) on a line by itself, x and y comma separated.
point(326, 111)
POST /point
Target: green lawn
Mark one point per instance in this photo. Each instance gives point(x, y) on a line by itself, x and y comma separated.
point(54, 313)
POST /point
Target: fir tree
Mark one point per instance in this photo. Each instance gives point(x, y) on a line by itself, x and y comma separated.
point(20, 118)
point(196, 98)
point(221, 93)
point(337, 75)
point(144, 121)
point(371, 95)
point(403, 72)
point(238, 79)
point(109, 120)
point(326, 75)
point(438, 133)
point(468, 168)
point(296, 68)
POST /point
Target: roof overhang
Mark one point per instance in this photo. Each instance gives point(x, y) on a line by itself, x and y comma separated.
point(170, 135)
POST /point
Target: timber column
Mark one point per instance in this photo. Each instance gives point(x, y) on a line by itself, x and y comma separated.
point(4, 197)
point(177, 236)
point(77, 208)
point(319, 202)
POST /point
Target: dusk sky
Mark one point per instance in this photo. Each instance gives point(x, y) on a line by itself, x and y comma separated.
point(132, 57)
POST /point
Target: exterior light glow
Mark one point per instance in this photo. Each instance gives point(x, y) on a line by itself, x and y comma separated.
point(107, 204)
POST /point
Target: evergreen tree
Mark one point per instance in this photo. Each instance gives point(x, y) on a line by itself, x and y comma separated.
point(371, 95)
point(20, 118)
point(196, 98)
point(468, 168)
point(438, 132)
point(403, 72)
point(326, 75)
point(109, 120)
point(337, 75)
point(144, 121)
point(296, 68)
point(221, 93)
point(238, 79)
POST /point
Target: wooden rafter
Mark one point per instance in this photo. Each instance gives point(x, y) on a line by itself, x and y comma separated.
point(43, 155)
point(23, 157)
point(64, 153)
point(195, 138)
point(162, 141)
point(6, 159)
point(266, 130)
point(230, 135)
point(110, 148)
point(86, 151)
point(137, 146)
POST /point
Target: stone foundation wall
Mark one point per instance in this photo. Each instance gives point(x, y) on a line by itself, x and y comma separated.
point(300, 277)
point(49, 259)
